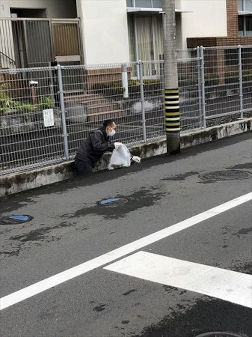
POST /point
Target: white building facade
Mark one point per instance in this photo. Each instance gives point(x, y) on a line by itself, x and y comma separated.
point(128, 30)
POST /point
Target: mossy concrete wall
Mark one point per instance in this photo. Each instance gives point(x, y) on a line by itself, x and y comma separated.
point(21, 181)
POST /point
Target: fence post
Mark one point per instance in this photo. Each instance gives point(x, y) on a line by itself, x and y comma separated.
point(62, 108)
point(203, 93)
point(125, 83)
point(199, 84)
point(140, 65)
point(240, 79)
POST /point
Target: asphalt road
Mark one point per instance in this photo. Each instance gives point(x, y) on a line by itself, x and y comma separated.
point(115, 295)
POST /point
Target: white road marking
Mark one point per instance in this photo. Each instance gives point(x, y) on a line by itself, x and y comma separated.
point(224, 284)
point(118, 253)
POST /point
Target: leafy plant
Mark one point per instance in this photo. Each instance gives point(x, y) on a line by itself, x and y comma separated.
point(25, 107)
point(6, 103)
point(114, 89)
point(45, 103)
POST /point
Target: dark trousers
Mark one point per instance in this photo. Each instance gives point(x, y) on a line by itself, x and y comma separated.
point(83, 167)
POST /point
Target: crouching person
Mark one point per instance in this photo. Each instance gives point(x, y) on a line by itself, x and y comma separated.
point(96, 144)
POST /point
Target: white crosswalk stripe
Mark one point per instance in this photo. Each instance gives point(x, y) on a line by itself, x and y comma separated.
point(220, 283)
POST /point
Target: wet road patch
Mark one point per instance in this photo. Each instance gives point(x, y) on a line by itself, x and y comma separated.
point(219, 334)
point(216, 176)
point(123, 205)
point(200, 318)
point(181, 177)
point(34, 235)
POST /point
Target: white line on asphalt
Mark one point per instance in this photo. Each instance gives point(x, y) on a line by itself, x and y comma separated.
point(118, 253)
point(224, 284)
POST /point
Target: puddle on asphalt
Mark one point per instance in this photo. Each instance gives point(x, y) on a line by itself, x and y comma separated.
point(219, 334)
point(216, 176)
point(232, 173)
point(34, 235)
point(191, 320)
point(125, 204)
point(243, 231)
point(181, 177)
point(41, 233)
point(242, 166)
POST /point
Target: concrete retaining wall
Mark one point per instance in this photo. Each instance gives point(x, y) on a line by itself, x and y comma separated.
point(17, 182)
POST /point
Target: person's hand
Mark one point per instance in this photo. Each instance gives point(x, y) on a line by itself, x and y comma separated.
point(136, 159)
point(117, 145)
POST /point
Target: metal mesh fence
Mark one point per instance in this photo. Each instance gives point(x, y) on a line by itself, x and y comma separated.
point(45, 113)
point(24, 139)
point(228, 83)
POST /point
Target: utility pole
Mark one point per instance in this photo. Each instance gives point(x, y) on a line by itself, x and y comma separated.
point(172, 114)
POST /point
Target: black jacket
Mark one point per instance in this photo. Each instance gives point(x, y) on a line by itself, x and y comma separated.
point(92, 148)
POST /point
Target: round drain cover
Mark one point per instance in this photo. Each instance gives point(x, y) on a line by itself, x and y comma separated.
point(219, 334)
point(112, 202)
point(15, 219)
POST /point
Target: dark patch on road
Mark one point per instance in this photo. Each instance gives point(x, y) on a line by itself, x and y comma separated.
point(213, 177)
point(10, 253)
point(137, 200)
point(169, 289)
point(39, 233)
point(243, 231)
point(34, 235)
point(125, 322)
point(242, 166)
point(129, 292)
point(243, 268)
point(99, 308)
point(219, 334)
point(204, 316)
point(180, 177)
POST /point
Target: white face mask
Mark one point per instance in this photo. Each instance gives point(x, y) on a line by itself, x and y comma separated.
point(111, 133)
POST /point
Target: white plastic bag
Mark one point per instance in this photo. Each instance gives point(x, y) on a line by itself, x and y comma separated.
point(120, 157)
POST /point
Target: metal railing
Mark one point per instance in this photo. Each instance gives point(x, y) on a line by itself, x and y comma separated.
point(46, 112)
point(6, 59)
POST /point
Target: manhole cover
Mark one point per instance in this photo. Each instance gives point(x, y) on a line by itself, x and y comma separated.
point(15, 219)
point(226, 175)
point(112, 202)
point(220, 334)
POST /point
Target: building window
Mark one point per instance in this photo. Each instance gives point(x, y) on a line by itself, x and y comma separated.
point(145, 3)
point(146, 37)
point(245, 6)
point(245, 25)
point(146, 41)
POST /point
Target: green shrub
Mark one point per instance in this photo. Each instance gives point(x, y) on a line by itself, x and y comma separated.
point(115, 88)
point(6, 103)
point(45, 103)
point(247, 76)
point(25, 107)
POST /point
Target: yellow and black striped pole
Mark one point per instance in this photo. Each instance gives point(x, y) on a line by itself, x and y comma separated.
point(172, 114)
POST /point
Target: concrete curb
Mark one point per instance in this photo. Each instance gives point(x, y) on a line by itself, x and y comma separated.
point(21, 181)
